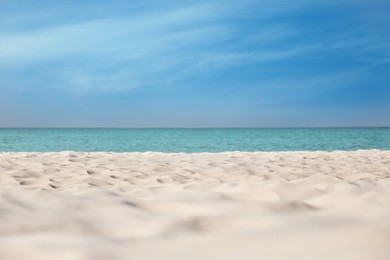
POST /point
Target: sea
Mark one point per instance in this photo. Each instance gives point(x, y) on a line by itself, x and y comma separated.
point(191, 140)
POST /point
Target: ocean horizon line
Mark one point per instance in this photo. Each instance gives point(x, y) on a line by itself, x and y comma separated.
point(222, 127)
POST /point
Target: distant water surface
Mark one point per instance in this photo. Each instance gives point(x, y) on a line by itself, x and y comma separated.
point(192, 140)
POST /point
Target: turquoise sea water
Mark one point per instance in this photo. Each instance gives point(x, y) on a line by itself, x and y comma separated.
point(193, 140)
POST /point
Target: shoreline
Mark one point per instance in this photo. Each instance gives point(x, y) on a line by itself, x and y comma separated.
point(219, 152)
point(272, 205)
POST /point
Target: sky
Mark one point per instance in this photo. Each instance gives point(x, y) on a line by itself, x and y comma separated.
point(214, 63)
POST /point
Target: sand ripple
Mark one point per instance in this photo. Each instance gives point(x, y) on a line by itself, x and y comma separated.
point(287, 205)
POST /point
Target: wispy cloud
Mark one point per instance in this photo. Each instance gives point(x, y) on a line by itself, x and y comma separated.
point(124, 37)
point(114, 53)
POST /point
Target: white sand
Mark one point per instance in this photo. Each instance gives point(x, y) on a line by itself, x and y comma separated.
point(291, 205)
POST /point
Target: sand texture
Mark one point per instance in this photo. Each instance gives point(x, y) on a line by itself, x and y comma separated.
point(234, 205)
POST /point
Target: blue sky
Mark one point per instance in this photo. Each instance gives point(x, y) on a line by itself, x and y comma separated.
point(194, 63)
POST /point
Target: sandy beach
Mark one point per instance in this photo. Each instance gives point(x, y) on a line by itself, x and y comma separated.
point(232, 205)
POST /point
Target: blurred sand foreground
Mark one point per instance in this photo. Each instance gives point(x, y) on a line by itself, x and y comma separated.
point(233, 205)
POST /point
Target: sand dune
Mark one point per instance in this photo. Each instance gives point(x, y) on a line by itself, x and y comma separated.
point(233, 205)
